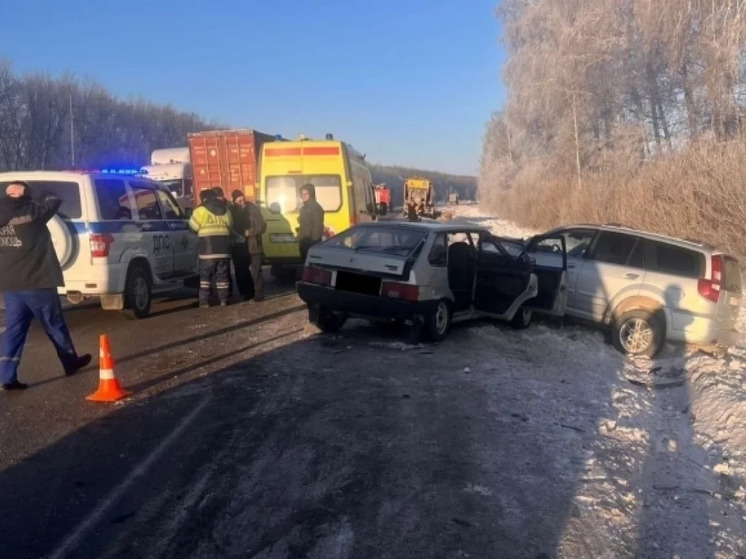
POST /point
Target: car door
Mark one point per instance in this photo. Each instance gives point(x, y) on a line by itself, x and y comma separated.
point(549, 256)
point(156, 236)
point(182, 240)
point(608, 273)
point(503, 282)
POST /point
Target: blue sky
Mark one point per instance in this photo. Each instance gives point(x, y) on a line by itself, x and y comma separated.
point(408, 82)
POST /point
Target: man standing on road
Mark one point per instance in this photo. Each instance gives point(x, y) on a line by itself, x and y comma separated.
point(310, 220)
point(257, 228)
point(29, 277)
point(212, 223)
point(241, 256)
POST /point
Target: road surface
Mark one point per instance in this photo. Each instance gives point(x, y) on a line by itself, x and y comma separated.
point(248, 435)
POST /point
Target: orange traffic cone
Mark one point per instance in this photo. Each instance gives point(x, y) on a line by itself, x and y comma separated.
point(109, 389)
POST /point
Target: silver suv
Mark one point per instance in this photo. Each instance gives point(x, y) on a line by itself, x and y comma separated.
point(650, 288)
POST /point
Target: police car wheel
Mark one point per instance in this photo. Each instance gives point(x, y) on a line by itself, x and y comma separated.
point(138, 293)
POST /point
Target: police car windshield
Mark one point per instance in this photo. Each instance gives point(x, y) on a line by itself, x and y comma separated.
point(67, 191)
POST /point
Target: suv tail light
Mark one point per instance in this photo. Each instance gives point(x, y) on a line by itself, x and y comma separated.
point(403, 291)
point(710, 288)
point(319, 276)
point(100, 245)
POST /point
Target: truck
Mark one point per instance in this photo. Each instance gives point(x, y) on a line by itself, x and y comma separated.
point(383, 198)
point(172, 167)
point(228, 159)
point(419, 198)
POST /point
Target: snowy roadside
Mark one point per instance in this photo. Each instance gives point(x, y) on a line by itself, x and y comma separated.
point(673, 443)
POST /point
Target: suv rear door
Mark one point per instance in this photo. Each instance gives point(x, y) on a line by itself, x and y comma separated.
point(613, 268)
point(156, 235)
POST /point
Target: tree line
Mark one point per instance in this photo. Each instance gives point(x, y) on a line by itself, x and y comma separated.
point(627, 111)
point(63, 123)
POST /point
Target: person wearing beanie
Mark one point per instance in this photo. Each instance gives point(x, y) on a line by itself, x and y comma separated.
point(240, 254)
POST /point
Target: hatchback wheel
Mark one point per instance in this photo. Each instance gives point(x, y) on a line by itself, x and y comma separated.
point(329, 321)
point(439, 321)
point(638, 332)
point(522, 319)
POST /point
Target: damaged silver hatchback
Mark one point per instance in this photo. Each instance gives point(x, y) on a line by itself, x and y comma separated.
point(430, 275)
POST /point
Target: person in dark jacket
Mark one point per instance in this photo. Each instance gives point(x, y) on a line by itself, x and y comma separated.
point(310, 220)
point(241, 256)
point(29, 277)
point(213, 224)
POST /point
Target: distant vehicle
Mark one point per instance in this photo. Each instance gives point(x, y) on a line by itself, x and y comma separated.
point(343, 184)
point(173, 169)
point(117, 237)
point(383, 198)
point(228, 159)
point(650, 288)
point(428, 273)
point(453, 198)
point(420, 193)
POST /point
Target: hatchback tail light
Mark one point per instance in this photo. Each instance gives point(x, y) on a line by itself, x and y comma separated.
point(403, 291)
point(312, 274)
point(100, 245)
point(710, 288)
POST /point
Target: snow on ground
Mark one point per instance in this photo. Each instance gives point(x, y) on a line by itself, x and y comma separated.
point(666, 474)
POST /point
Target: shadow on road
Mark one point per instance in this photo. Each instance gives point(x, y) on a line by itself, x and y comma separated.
point(344, 446)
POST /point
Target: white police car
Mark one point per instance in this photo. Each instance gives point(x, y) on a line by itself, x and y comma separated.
point(118, 237)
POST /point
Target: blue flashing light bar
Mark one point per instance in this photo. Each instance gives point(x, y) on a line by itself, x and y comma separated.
point(126, 171)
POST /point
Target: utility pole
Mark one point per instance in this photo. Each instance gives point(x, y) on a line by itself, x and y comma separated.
point(72, 133)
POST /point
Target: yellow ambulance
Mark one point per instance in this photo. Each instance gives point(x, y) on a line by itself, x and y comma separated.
point(343, 184)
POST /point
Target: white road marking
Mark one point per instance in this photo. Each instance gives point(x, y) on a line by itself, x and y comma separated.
point(72, 541)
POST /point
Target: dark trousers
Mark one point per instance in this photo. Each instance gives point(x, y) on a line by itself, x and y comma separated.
point(304, 244)
point(20, 308)
point(218, 269)
point(242, 264)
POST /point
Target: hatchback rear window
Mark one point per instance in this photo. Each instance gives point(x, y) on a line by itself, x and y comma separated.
point(671, 259)
point(397, 241)
point(67, 191)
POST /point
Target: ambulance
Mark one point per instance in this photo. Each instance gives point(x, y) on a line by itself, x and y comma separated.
point(343, 185)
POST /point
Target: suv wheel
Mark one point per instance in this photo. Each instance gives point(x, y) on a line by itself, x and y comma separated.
point(522, 319)
point(638, 332)
point(439, 321)
point(138, 293)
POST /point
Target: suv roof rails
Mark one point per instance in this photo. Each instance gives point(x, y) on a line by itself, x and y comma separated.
point(613, 224)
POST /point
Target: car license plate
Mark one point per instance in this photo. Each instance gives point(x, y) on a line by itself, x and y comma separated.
point(282, 238)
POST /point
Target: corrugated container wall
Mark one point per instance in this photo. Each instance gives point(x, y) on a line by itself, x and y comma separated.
point(227, 158)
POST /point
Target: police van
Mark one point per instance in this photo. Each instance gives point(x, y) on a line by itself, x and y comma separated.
point(118, 237)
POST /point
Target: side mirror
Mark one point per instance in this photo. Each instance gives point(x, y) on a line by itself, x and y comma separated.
point(371, 208)
point(275, 208)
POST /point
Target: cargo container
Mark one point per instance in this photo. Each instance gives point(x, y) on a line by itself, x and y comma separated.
point(228, 159)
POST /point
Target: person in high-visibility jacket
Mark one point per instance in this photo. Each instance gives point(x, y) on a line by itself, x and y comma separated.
point(213, 224)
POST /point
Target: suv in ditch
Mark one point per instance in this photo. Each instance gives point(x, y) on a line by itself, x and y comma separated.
point(649, 288)
point(118, 238)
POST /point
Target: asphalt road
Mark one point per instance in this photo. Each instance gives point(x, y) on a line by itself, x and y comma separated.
point(249, 436)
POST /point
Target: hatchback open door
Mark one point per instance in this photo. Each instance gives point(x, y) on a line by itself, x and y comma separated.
point(549, 255)
point(503, 282)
